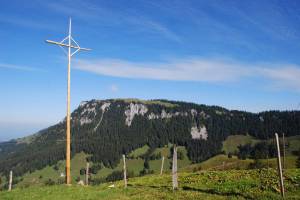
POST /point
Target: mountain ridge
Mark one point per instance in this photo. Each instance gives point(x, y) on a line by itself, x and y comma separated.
point(106, 129)
point(151, 101)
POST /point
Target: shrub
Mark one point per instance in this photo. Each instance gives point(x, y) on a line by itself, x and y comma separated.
point(180, 155)
point(115, 176)
point(146, 164)
point(95, 168)
point(60, 181)
point(77, 179)
point(97, 181)
point(49, 182)
point(55, 167)
point(298, 160)
point(146, 171)
point(257, 164)
point(82, 171)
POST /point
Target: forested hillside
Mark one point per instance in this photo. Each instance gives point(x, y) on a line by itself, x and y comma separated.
point(106, 129)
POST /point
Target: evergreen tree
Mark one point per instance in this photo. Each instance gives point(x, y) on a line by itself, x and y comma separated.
point(298, 160)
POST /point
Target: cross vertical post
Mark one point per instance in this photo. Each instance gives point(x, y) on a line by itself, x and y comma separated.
point(72, 44)
point(279, 166)
point(68, 133)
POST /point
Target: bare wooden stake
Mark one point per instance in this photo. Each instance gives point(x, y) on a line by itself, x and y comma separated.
point(162, 165)
point(279, 166)
point(87, 174)
point(124, 168)
point(10, 180)
point(174, 169)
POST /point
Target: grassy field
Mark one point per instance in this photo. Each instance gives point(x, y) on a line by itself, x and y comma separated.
point(165, 151)
point(149, 102)
point(219, 162)
point(133, 165)
point(136, 164)
point(293, 143)
point(230, 145)
point(232, 184)
point(39, 177)
point(222, 162)
point(215, 178)
point(139, 151)
point(78, 162)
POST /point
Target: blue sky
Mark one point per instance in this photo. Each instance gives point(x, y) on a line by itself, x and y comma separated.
point(237, 54)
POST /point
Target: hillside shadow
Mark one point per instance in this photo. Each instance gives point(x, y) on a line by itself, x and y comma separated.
point(211, 191)
point(207, 191)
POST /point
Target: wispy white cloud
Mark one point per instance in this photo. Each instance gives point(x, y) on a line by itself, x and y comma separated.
point(270, 20)
point(70, 8)
point(180, 70)
point(285, 76)
point(26, 22)
point(114, 88)
point(20, 67)
point(111, 16)
point(158, 28)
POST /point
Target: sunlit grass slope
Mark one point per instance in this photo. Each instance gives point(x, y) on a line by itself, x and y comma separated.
point(231, 184)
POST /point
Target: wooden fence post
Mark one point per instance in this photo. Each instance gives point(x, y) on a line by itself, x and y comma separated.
point(10, 180)
point(174, 169)
point(162, 165)
point(87, 174)
point(279, 166)
point(124, 168)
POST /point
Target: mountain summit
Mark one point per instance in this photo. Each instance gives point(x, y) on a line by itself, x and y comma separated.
point(106, 129)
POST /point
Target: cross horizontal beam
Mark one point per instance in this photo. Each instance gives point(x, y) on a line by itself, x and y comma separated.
point(66, 45)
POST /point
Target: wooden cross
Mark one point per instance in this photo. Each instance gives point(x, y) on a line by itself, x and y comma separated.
point(72, 44)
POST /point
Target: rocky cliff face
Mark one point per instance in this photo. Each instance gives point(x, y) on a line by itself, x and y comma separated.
point(88, 112)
